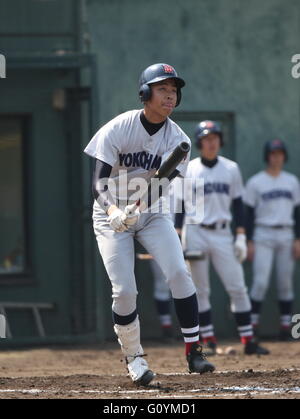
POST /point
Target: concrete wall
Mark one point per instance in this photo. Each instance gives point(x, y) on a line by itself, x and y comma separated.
point(235, 57)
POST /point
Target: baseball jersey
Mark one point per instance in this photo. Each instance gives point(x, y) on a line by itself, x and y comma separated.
point(221, 184)
point(273, 198)
point(124, 144)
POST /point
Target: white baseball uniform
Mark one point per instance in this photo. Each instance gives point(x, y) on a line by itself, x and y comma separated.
point(124, 144)
point(134, 155)
point(222, 184)
point(274, 200)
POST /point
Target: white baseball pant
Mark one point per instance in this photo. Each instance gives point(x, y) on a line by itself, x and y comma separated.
point(218, 247)
point(158, 236)
point(273, 245)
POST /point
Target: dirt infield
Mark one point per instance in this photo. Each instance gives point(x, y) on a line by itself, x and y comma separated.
point(96, 372)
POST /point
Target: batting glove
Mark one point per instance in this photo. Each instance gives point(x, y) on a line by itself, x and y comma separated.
point(240, 247)
point(115, 221)
point(131, 215)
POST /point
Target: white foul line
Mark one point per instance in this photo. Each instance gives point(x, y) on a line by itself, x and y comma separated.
point(203, 392)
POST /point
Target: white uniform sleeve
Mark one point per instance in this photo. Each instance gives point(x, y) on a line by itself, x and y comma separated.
point(249, 197)
point(297, 193)
point(104, 145)
point(237, 184)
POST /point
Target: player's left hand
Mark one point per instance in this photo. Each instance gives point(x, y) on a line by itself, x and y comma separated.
point(131, 215)
point(296, 249)
point(240, 247)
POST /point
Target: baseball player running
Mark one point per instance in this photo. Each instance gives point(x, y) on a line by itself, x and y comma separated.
point(222, 188)
point(130, 147)
point(272, 199)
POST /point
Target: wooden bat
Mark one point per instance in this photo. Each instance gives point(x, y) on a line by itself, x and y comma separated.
point(188, 255)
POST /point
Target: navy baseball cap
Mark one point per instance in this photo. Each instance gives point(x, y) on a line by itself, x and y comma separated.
point(273, 145)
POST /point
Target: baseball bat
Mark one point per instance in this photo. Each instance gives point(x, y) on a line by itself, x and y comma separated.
point(188, 255)
point(166, 169)
point(170, 164)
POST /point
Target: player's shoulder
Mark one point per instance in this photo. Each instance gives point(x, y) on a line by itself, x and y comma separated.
point(123, 118)
point(290, 177)
point(227, 163)
point(257, 178)
point(196, 162)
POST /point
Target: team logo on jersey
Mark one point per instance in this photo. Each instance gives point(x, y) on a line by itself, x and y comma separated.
point(168, 69)
point(276, 194)
point(142, 159)
point(217, 187)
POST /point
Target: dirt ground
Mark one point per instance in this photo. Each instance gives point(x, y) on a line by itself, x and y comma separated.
point(96, 372)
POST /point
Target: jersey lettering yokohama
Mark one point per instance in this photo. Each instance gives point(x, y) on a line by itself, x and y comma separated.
point(133, 154)
point(273, 198)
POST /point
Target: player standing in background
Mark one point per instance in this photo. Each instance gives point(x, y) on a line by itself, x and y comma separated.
point(272, 199)
point(222, 188)
point(135, 143)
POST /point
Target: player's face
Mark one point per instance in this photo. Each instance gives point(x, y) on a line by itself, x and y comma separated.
point(276, 159)
point(210, 146)
point(162, 102)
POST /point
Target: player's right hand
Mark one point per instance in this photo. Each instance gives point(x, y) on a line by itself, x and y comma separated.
point(131, 215)
point(116, 221)
point(240, 247)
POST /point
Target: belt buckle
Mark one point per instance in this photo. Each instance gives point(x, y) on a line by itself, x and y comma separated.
point(220, 225)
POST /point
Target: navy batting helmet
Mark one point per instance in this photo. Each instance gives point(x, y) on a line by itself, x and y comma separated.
point(272, 146)
point(156, 73)
point(205, 128)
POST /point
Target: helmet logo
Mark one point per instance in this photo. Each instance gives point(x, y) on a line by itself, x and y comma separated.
point(207, 124)
point(168, 69)
point(276, 142)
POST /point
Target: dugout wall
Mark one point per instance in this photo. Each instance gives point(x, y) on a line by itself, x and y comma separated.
point(47, 113)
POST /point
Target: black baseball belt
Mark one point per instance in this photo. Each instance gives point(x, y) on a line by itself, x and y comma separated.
point(276, 226)
point(215, 226)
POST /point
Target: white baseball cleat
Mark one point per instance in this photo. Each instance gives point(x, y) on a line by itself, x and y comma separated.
point(139, 371)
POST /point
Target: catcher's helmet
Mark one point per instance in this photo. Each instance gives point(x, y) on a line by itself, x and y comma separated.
point(156, 73)
point(205, 128)
point(272, 146)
